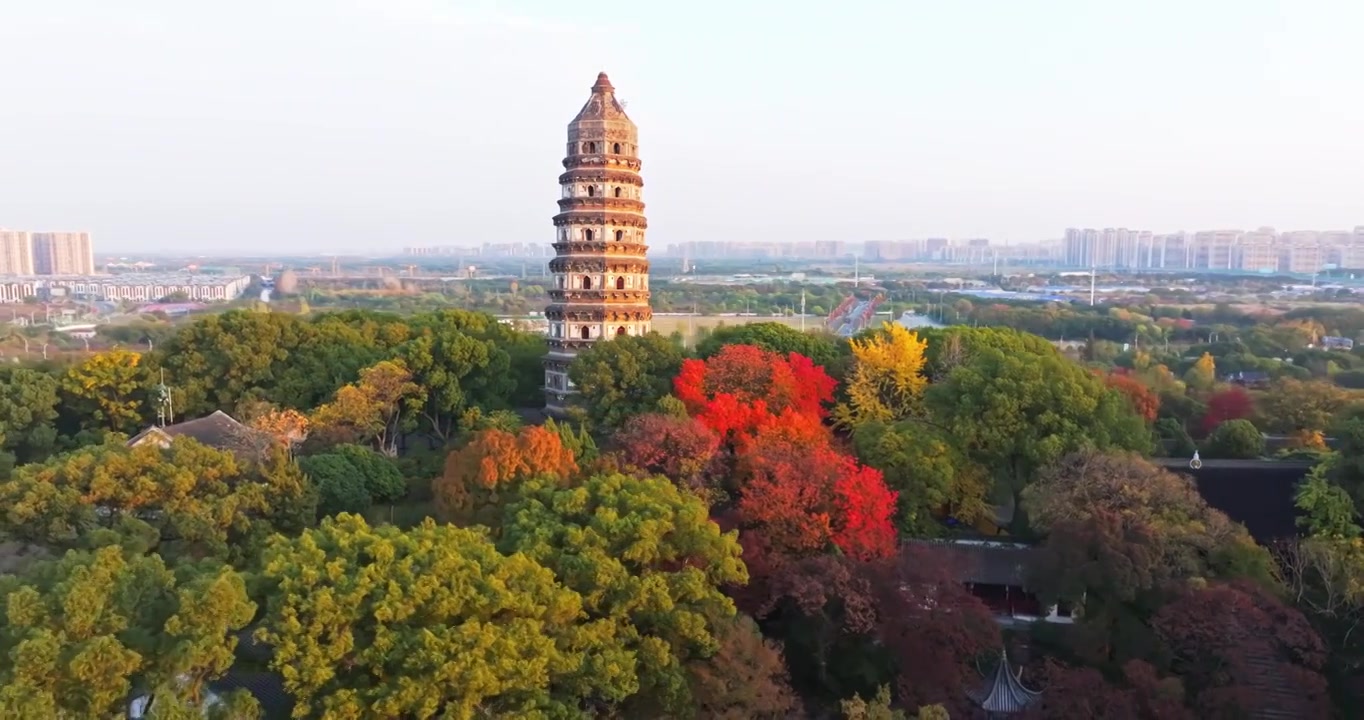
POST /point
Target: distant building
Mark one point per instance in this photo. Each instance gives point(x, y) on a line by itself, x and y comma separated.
point(128, 286)
point(16, 252)
point(63, 253)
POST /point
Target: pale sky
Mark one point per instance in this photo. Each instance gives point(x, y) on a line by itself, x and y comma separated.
point(367, 125)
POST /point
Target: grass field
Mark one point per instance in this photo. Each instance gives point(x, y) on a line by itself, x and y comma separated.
point(688, 326)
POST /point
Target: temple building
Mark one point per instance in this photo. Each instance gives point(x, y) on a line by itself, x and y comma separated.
point(601, 276)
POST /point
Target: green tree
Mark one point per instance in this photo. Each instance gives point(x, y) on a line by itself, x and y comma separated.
point(427, 622)
point(624, 376)
point(933, 477)
point(1237, 439)
point(217, 361)
point(649, 564)
point(87, 633)
point(340, 485)
point(823, 348)
point(109, 390)
point(455, 370)
point(1015, 413)
point(1325, 509)
point(383, 480)
point(28, 412)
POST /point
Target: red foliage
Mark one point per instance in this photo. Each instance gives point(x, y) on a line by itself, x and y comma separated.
point(1234, 403)
point(682, 449)
point(1145, 402)
point(1076, 693)
point(865, 506)
point(1240, 649)
point(743, 386)
point(911, 604)
point(804, 495)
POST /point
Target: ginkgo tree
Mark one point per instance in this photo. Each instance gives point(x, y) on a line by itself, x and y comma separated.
point(887, 381)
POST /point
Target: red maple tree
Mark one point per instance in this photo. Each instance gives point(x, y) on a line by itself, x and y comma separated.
point(1081, 693)
point(1233, 403)
point(743, 386)
point(1240, 649)
point(834, 609)
point(803, 495)
point(682, 449)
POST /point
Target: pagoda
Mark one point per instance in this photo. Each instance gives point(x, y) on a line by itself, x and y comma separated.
point(601, 277)
point(1003, 694)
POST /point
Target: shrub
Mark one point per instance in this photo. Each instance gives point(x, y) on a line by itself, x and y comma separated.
point(1236, 439)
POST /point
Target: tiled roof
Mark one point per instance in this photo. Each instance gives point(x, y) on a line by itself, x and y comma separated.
point(1003, 692)
point(218, 430)
point(985, 563)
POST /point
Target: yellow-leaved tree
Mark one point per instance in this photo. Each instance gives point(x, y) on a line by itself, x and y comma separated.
point(1203, 374)
point(108, 391)
point(887, 381)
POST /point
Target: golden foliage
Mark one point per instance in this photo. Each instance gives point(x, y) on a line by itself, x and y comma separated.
point(887, 381)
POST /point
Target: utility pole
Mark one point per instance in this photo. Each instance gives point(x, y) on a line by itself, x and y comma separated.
point(802, 310)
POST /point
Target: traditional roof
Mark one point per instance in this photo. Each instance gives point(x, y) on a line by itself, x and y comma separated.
point(1003, 692)
point(218, 430)
point(986, 563)
point(602, 105)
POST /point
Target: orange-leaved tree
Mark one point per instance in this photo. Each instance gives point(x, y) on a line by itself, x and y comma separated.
point(1145, 402)
point(738, 389)
point(478, 475)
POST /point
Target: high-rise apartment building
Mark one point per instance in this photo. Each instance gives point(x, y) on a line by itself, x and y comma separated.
point(16, 252)
point(63, 253)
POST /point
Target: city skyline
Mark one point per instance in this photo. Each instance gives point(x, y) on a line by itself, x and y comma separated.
point(366, 127)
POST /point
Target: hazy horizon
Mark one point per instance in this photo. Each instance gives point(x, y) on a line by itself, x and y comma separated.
point(362, 126)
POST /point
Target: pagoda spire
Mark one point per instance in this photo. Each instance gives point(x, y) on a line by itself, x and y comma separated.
point(1003, 693)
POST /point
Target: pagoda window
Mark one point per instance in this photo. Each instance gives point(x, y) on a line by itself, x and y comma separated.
point(620, 235)
point(620, 331)
point(587, 282)
point(616, 148)
point(591, 191)
point(618, 192)
point(585, 150)
point(620, 282)
point(587, 235)
point(586, 333)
